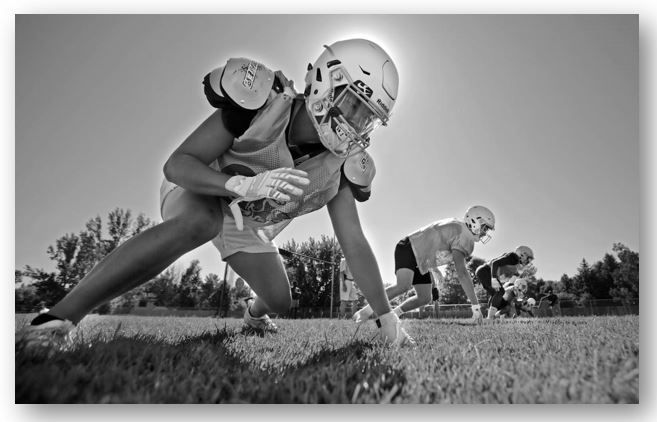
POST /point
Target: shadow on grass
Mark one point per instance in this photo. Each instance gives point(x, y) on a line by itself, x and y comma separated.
point(197, 369)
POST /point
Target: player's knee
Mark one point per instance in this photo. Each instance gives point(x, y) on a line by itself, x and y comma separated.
point(199, 227)
point(405, 283)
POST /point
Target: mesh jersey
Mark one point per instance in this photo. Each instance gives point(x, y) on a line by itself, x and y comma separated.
point(433, 244)
point(508, 263)
point(263, 146)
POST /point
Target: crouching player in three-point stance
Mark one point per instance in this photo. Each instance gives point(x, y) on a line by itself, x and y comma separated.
point(419, 255)
point(498, 277)
point(266, 156)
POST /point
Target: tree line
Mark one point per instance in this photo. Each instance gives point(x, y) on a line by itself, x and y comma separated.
point(75, 254)
point(311, 264)
point(615, 277)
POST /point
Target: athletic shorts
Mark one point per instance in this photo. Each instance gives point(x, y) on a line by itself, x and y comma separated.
point(405, 258)
point(229, 240)
point(484, 277)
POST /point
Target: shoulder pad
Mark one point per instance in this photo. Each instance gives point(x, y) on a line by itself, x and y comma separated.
point(359, 169)
point(245, 82)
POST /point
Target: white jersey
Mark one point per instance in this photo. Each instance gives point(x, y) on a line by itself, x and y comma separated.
point(433, 244)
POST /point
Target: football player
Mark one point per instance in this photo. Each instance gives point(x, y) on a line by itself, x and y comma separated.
point(498, 277)
point(419, 255)
point(264, 157)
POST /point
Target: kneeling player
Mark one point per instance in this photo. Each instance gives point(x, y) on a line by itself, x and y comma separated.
point(498, 277)
point(419, 255)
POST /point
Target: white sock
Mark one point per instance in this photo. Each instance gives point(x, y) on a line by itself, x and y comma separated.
point(491, 312)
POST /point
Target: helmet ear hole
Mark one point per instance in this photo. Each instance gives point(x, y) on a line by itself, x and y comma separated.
point(318, 76)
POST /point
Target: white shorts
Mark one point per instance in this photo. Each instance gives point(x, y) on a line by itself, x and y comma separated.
point(229, 240)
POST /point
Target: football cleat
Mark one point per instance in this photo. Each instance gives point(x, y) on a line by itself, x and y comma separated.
point(263, 323)
point(48, 332)
point(363, 315)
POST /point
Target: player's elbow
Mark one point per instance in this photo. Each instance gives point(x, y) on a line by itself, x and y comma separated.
point(169, 168)
point(172, 168)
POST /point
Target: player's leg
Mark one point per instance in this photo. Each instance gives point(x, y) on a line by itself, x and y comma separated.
point(258, 262)
point(507, 308)
point(403, 284)
point(422, 285)
point(190, 221)
point(497, 304)
point(265, 274)
point(421, 298)
point(404, 264)
point(484, 276)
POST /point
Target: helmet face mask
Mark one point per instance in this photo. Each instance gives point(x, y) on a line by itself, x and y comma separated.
point(484, 237)
point(350, 91)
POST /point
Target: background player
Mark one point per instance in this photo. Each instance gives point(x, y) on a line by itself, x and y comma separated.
point(418, 256)
point(499, 275)
point(348, 291)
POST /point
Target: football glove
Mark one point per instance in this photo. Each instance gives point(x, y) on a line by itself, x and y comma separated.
point(276, 184)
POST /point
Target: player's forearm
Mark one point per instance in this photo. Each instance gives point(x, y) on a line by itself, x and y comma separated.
point(468, 288)
point(364, 269)
point(192, 174)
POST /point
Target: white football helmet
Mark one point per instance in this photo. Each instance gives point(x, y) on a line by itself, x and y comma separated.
point(350, 90)
point(480, 220)
point(525, 253)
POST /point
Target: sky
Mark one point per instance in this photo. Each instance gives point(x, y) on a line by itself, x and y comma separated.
point(533, 116)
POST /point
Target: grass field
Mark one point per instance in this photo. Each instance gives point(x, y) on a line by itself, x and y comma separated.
point(122, 359)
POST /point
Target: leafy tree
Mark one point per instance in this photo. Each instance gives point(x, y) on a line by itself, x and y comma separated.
point(190, 283)
point(207, 288)
point(313, 265)
point(75, 255)
point(26, 299)
point(603, 277)
point(163, 287)
point(221, 298)
point(450, 289)
point(565, 284)
point(119, 224)
point(48, 289)
point(626, 276)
